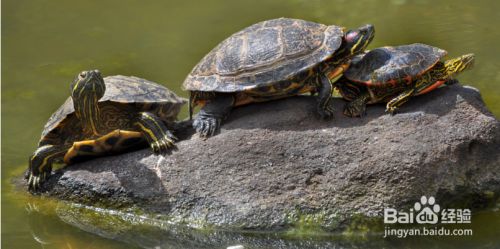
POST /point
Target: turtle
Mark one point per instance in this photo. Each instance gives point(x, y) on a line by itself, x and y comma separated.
point(394, 74)
point(105, 116)
point(270, 60)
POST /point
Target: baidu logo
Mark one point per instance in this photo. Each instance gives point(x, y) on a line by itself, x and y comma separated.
point(426, 215)
point(427, 211)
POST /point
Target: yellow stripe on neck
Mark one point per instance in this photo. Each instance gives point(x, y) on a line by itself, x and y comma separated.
point(357, 44)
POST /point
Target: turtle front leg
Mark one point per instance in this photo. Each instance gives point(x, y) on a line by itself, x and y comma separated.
point(357, 107)
point(325, 87)
point(40, 163)
point(207, 122)
point(159, 137)
point(399, 100)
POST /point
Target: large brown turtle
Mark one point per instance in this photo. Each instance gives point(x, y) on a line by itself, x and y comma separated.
point(270, 60)
point(105, 116)
point(393, 75)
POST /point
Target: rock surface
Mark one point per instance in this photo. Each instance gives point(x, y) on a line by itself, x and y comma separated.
point(275, 165)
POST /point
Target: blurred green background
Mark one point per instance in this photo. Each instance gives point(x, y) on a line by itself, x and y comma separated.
point(45, 43)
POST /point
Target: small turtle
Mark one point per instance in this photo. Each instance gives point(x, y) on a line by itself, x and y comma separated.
point(270, 60)
point(393, 75)
point(105, 116)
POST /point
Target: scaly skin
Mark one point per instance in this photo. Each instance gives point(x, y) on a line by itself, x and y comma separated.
point(360, 95)
point(95, 137)
point(432, 79)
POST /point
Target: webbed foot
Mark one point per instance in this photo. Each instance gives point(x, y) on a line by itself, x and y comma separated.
point(159, 137)
point(164, 144)
point(40, 164)
point(325, 112)
point(355, 109)
point(206, 126)
point(391, 109)
point(208, 121)
point(35, 180)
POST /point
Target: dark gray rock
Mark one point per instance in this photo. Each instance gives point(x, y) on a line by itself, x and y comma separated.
point(275, 165)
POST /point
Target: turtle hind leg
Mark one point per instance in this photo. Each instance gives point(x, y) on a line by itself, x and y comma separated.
point(325, 88)
point(160, 138)
point(40, 163)
point(357, 107)
point(207, 122)
point(399, 100)
point(356, 95)
point(115, 141)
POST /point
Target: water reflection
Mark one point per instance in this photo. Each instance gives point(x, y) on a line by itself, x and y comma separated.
point(142, 232)
point(49, 231)
point(139, 231)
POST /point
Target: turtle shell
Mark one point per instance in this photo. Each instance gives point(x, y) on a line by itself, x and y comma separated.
point(127, 90)
point(392, 65)
point(264, 53)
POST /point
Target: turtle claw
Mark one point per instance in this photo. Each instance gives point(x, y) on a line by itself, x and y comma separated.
point(213, 124)
point(34, 182)
point(391, 110)
point(30, 181)
point(207, 126)
point(155, 146)
point(163, 146)
point(354, 109)
point(326, 113)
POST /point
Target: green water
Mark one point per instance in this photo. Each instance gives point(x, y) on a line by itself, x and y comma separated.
point(46, 42)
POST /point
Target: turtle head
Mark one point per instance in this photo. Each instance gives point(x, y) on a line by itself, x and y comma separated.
point(356, 40)
point(88, 83)
point(86, 90)
point(459, 64)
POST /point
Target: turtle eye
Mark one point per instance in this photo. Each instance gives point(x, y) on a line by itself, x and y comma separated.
point(83, 74)
point(351, 36)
